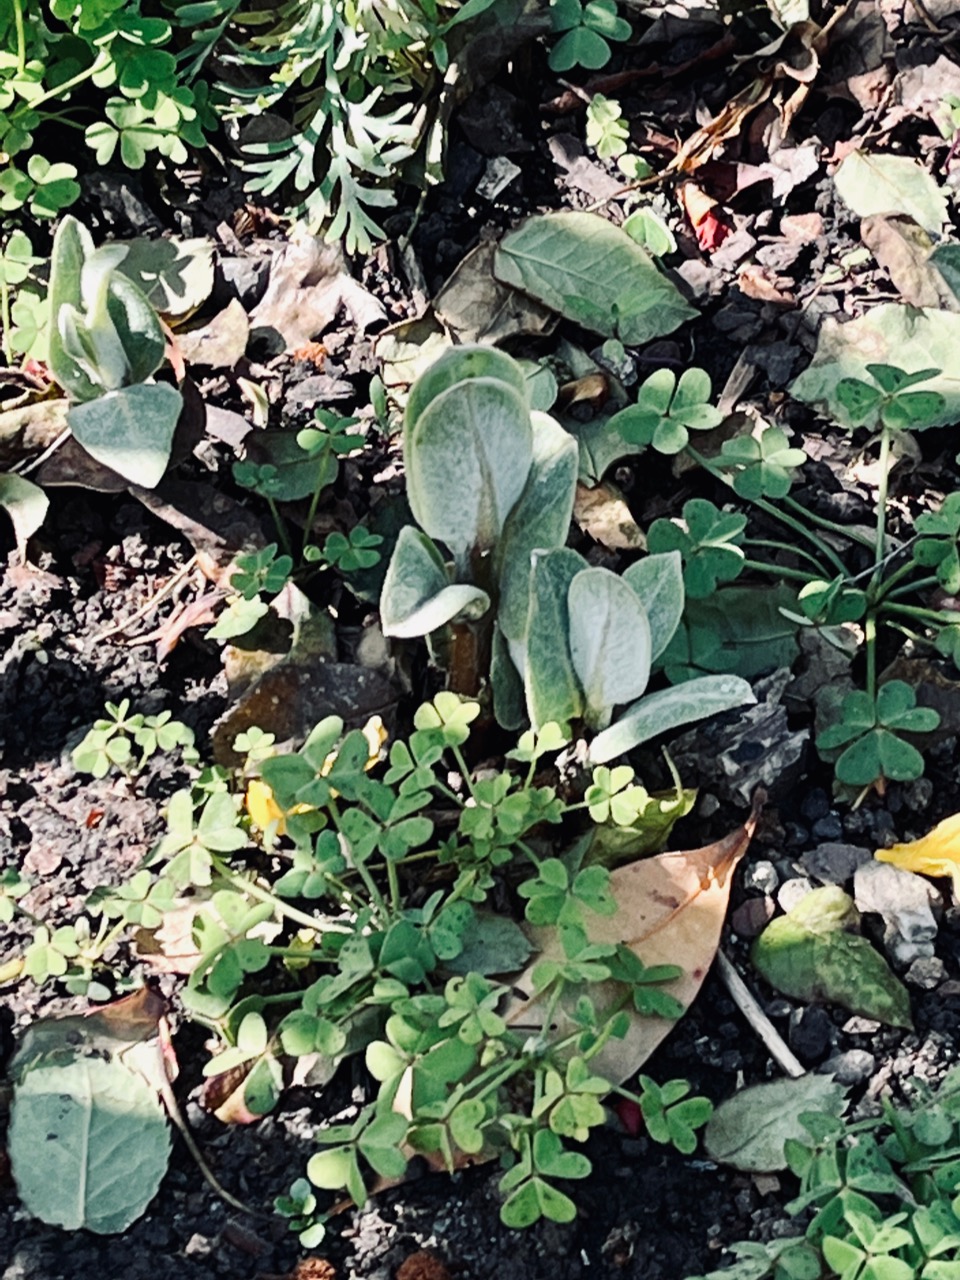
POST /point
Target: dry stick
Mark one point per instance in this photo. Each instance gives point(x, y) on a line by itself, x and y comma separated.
point(745, 1001)
point(151, 604)
point(173, 1111)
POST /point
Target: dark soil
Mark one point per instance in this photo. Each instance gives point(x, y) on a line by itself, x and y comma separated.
point(645, 1214)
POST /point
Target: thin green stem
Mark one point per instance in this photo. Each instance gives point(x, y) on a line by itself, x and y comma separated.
point(21, 37)
point(464, 769)
point(5, 320)
point(776, 545)
point(282, 534)
point(311, 515)
point(920, 584)
point(776, 513)
point(376, 897)
point(778, 570)
point(393, 882)
point(940, 617)
point(830, 526)
point(880, 537)
point(59, 90)
point(870, 643)
point(281, 907)
point(799, 527)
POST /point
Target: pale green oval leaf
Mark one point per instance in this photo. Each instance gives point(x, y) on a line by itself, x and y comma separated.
point(748, 1130)
point(870, 184)
point(593, 273)
point(609, 642)
point(88, 1144)
point(26, 504)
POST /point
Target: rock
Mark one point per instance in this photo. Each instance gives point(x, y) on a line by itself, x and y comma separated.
point(926, 973)
point(903, 901)
point(751, 917)
point(859, 1026)
point(851, 1067)
point(834, 862)
point(761, 877)
point(810, 1033)
point(815, 805)
point(828, 827)
point(792, 891)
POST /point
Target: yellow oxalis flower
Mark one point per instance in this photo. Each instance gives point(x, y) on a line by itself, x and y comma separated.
point(261, 802)
point(935, 854)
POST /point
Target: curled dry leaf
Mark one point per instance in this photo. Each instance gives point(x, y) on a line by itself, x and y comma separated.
point(670, 910)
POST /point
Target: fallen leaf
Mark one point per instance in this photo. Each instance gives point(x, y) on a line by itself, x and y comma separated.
point(936, 854)
point(308, 284)
point(869, 183)
point(221, 342)
point(811, 954)
point(710, 226)
point(762, 283)
point(887, 334)
point(903, 249)
point(604, 515)
point(31, 429)
point(670, 910)
point(748, 1130)
point(476, 307)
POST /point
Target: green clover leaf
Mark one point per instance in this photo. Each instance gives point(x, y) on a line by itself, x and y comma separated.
point(708, 545)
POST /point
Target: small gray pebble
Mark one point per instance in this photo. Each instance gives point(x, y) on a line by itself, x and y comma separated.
point(761, 877)
point(851, 1067)
point(926, 973)
point(791, 891)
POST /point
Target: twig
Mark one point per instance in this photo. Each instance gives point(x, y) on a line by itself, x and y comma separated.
point(173, 1110)
point(745, 1001)
point(150, 605)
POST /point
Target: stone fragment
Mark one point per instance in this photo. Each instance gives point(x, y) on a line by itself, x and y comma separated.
point(903, 900)
point(834, 862)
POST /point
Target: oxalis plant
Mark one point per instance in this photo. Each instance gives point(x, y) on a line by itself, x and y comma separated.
point(486, 575)
point(880, 1195)
point(339, 906)
point(865, 737)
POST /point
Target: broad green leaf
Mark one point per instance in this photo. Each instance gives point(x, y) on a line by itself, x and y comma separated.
point(609, 642)
point(287, 471)
point(131, 430)
point(669, 709)
point(552, 689)
point(88, 1144)
point(25, 503)
point(740, 630)
point(594, 274)
point(810, 954)
point(467, 456)
point(540, 520)
point(418, 596)
point(871, 184)
point(748, 1130)
point(891, 333)
point(658, 581)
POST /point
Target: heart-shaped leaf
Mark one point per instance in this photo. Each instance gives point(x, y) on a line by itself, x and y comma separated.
point(130, 430)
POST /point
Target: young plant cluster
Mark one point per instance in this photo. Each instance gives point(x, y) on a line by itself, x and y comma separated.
point(866, 736)
point(340, 905)
point(881, 1196)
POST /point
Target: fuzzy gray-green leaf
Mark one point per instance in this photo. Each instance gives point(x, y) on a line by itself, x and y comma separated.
point(609, 642)
point(550, 680)
point(658, 581)
point(88, 1143)
point(130, 430)
point(669, 709)
point(539, 521)
point(418, 596)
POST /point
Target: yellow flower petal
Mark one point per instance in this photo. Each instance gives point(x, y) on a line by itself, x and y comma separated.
point(935, 854)
point(264, 810)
